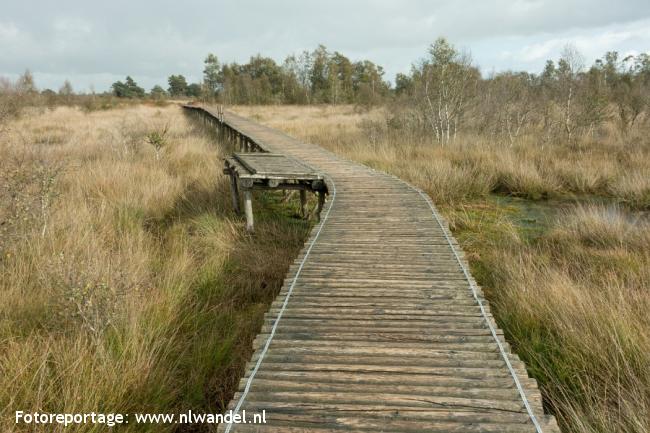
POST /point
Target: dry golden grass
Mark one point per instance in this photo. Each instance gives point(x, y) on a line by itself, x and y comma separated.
point(571, 293)
point(126, 283)
point(575, 303)
point(474, 165)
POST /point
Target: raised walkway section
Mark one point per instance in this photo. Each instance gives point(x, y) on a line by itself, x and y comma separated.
point(379, 327)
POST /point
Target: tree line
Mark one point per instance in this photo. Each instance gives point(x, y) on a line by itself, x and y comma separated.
point(445, 94)
point(442, 95)
point(316, 77)
point(178, 87)
point(312, 77)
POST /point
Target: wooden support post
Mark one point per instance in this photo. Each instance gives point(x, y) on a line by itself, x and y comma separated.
point(303, 203)
point(234, 190)
point(321, 202)
point(248, 208)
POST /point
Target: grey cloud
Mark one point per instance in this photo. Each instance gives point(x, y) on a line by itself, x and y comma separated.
point(92, 42)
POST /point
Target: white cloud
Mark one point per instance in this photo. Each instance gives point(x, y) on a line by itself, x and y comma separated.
point(592, 43)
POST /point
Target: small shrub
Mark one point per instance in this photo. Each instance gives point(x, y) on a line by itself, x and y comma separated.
point(158, 139)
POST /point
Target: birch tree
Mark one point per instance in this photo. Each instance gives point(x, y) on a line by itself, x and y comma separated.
point(445, 82)
point(570, 65)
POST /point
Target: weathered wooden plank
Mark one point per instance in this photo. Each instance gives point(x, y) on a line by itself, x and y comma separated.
point(376, 327)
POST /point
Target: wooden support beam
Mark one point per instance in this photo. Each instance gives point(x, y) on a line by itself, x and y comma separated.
point(265, 171)
point(284, 186)
point(248, 209)
point(321, 202)
point(234, 190)
point(303, 203)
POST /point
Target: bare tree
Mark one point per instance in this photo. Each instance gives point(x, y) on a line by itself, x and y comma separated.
point(515, 103)
point(12, 101)
point(67, 92)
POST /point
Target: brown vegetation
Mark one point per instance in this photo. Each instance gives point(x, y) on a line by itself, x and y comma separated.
point(567, 277)
point(126, 283)
point(475, 165)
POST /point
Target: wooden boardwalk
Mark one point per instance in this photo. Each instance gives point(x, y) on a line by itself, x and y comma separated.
point(379, 327)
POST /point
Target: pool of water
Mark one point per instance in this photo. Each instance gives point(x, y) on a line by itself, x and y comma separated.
point(534, 217)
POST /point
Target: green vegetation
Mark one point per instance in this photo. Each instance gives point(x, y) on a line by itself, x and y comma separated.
point(128, 89)
point(313, 77)
point(158, 93)
point(177, 86)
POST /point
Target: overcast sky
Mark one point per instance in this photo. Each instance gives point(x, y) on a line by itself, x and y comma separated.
point(98, 42)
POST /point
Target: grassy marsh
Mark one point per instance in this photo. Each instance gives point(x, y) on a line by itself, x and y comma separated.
point(558, 235)
point(127, 284)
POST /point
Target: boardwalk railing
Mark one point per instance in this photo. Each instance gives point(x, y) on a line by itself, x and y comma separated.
point(215, 117)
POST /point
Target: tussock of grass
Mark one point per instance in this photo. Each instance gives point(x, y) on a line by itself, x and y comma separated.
point(603, 226)
point(633, 188)
point(573, 298)
point(127, 284)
